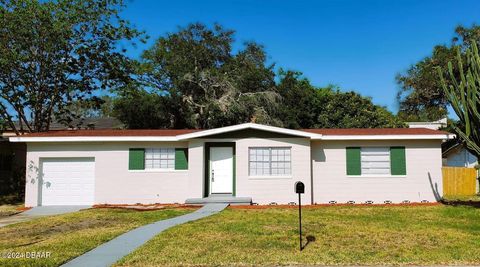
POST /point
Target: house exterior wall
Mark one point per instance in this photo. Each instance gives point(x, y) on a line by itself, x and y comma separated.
point(461, 157)
point(262, 190)
point(324, 162)
point(114, 183)
point(330, 182)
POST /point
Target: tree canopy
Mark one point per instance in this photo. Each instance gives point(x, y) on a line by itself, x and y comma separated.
point(420, 95)
point(193, 79)
point(53, 53)
point(305, 106)
point(62, 60)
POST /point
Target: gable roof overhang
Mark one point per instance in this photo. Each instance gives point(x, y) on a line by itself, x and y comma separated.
point(244, 126)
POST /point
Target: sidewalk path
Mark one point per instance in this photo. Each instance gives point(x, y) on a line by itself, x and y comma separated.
point(39, 211)
point(112, 251)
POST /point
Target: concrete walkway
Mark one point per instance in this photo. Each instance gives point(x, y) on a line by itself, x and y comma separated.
point(37, 212)
point(115, 249)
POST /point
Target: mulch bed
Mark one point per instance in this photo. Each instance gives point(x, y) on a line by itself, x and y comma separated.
point(329, 205)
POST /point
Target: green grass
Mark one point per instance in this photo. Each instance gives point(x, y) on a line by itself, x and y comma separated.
point(345, 235)
point(70, 235)
point(8, 210)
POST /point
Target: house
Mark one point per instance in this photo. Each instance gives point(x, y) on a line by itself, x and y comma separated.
point(241, 163)
point(456, 155)
point(12, 155)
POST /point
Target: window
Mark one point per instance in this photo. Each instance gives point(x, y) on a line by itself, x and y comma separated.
point(269, 161)
point(375, 160)
point(160, 158)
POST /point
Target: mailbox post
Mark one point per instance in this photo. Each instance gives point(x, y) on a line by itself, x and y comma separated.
point(300, 189)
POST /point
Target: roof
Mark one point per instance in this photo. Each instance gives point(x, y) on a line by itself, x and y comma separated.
point(186, 134)
point(130, 132)
point(83, 123)
point(375, 131)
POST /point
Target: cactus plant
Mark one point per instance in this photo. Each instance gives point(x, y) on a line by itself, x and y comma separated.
point(463, 93)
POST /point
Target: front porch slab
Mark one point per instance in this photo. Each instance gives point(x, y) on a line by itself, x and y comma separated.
point(220, 199)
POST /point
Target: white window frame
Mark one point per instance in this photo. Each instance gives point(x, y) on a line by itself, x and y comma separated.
point(163, 159)
point(270, 173)
point(374, 160)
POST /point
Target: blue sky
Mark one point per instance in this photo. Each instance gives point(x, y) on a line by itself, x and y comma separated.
point(357, 45)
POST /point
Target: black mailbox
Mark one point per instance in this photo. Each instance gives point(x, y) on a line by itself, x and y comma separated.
point(299, 188)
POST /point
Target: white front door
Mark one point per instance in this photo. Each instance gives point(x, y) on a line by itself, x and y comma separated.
point(68, 181)
point(221, 170)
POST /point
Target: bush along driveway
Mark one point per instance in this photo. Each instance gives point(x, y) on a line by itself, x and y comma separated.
point(67, 236)
point(344, 235)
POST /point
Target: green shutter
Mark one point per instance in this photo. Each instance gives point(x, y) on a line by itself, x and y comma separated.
point(136, 159)
point(181, 158)
point(397, 160)
point(354, 166)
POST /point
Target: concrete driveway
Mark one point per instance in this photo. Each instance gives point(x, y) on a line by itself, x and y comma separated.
point(37, 212)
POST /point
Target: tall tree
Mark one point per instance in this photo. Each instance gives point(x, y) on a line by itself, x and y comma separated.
point(53, 53)
point(202, 83)
point(463, 93)
point(420, 94)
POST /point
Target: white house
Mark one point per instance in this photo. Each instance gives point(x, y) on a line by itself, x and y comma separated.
point(241, 163)
point(457, 155)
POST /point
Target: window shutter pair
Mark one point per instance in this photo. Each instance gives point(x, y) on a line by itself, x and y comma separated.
point(136, 159)
point(397, 161)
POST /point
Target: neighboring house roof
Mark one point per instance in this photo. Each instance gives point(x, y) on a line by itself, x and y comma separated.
point(180, 135)
point(84, 123)
point(435, 125)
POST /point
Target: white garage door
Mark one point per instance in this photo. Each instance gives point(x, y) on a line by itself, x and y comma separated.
point(68, 181)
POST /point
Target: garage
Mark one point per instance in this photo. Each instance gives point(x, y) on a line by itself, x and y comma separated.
point(68, 181)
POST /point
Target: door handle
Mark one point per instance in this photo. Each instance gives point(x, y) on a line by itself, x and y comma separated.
point(213, 176)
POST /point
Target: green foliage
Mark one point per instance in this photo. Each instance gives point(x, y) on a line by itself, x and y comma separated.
point(420, 95)
point(344, 236)
point(199, 83)
point(463, 93)
point(53, 53)
point(305, 106)
point(74, 233)
point(191, 79)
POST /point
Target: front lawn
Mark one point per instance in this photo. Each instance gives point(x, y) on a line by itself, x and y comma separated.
point(345, 235)
point(8, 210)
point(70, 235)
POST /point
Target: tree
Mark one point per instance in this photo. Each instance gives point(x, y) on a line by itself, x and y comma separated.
point(192, 79)
point(201, 83)
point(463, 93)
point(305, 106)
point(300, 100)
point(53, 53)
point(420, 94)
point(94, 107)
point(350, 110)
